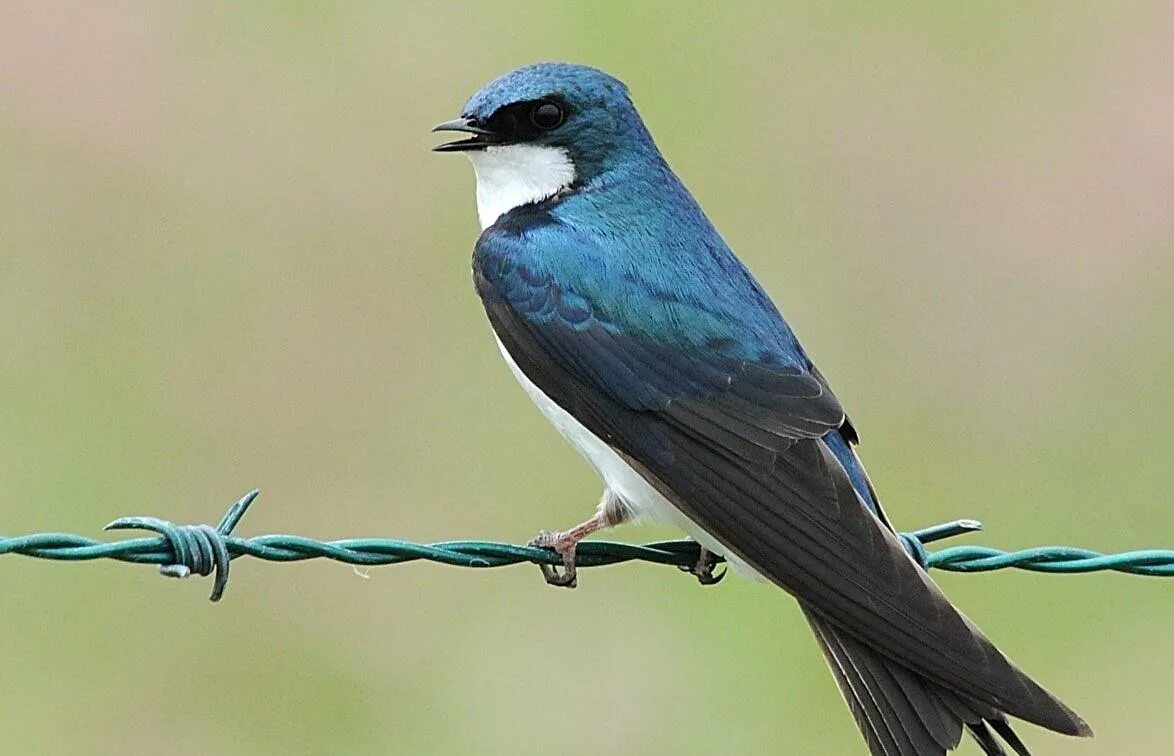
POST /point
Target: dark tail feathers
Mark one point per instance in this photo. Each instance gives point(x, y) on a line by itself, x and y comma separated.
point(902, 714)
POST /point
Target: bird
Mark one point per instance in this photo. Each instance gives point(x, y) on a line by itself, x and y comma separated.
point(653, 350)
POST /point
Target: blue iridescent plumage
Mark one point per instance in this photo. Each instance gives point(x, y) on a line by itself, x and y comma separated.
point(632, 251)
point(643, 338)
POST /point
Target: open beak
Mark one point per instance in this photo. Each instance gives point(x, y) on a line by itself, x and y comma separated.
point(480, 139)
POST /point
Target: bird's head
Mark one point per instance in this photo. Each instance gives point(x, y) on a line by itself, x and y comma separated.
point(541, 129)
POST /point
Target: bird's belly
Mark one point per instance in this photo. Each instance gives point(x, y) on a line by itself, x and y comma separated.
point(646, 502)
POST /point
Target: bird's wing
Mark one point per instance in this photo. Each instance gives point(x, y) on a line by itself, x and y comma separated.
point(736, 445)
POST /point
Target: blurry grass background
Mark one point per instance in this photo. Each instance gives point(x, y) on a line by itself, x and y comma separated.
point(228, 259)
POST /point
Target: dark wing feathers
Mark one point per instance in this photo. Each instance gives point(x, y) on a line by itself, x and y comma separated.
point(736, 445)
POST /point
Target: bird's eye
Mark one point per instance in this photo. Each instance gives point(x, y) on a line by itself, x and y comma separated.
point(547, 115)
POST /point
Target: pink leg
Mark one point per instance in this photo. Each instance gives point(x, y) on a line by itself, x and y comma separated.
point(612, 511)
point(564, 544)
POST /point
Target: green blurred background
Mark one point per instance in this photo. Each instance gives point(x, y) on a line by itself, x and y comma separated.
point(228, 259)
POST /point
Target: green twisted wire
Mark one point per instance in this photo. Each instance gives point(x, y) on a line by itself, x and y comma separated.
point(183, 550)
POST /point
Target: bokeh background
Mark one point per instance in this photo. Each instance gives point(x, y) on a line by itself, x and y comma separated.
point(228, 259)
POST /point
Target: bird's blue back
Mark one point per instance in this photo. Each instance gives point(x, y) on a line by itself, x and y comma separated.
point(632, 249)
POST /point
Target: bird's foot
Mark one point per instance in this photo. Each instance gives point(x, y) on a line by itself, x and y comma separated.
point(703, 568)
point(564, 545)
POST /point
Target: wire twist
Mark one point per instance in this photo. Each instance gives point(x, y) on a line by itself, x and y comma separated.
point(199, 549)
point(184, 550)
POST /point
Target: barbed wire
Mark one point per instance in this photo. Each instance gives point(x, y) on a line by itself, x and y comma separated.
point(184, 550)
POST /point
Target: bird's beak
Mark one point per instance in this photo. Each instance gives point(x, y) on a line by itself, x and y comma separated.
point(481, 138)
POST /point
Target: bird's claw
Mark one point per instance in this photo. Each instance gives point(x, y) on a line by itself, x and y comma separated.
point(703, 568)
point(564, 546)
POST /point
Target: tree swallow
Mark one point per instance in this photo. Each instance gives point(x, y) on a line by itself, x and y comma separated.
point(656, 353)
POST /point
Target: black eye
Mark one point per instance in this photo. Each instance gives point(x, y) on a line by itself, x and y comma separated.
point(547, 115)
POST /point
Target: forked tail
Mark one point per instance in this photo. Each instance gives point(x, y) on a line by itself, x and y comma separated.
point(903, 714)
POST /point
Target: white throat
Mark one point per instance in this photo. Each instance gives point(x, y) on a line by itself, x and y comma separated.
point(518, 174)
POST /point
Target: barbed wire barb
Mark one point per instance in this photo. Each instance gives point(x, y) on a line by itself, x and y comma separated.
point(199, 549)
point(184, 550)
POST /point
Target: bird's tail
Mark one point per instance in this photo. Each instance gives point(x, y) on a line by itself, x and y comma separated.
point(901, 713)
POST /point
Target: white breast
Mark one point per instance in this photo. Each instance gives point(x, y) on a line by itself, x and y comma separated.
point(517, 174)
point(617, 474)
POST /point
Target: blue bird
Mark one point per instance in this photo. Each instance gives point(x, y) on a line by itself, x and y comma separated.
point(656, 353)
